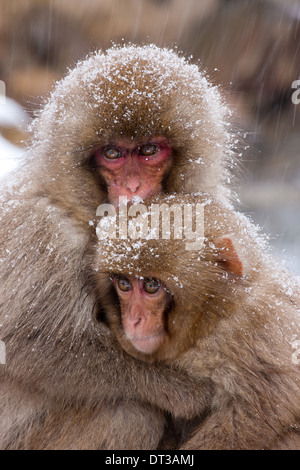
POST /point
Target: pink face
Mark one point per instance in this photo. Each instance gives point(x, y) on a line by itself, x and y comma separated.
point(134, 169)
point(143, 303)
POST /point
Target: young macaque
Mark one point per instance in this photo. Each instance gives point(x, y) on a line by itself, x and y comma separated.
point(133, 122)
point(225, 313)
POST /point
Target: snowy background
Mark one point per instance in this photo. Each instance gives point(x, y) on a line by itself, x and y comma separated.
point(250, 48)
point(11, 115)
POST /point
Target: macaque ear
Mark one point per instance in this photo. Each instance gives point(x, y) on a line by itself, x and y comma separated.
point(229, 255)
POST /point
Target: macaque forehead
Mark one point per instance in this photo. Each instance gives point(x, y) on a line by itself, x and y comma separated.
point(147, 259)
point(135, 92)
point(133, 101)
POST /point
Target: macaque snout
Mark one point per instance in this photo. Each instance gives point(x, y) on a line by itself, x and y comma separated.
point(143, 331)
point(133, 184)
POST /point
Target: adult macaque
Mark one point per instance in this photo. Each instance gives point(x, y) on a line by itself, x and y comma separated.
point(134, 121)
point(226, 313)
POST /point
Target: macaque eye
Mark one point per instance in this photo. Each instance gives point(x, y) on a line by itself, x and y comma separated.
point(148, 149)
point(151, 286)
point(123, 284)
point(112, 153)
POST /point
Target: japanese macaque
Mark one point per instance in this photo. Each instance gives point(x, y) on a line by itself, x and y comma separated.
point(225, 313)
point(134, 122)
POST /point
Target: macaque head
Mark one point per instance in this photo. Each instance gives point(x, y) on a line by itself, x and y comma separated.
point(162, 298)
point(156, 322)
point(135, 122)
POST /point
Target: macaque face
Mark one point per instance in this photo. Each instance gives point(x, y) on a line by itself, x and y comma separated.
point(143, 303)
point(134, 169)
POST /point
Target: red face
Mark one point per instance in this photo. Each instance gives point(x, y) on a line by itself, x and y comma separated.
point(143, 303)
point(134, 169)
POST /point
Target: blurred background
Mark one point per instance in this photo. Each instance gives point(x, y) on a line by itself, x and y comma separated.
point(250, 47)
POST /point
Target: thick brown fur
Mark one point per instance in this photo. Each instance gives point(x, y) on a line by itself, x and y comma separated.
point(66, 382)
point(234, 330)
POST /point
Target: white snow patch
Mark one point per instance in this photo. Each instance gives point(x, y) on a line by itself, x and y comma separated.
point(11, 115)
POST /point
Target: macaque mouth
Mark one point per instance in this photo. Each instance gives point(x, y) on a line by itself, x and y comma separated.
point(147, 344)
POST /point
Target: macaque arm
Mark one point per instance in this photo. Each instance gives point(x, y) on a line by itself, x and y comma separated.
point(233, 428)
point(130, 425)
point(179, 393)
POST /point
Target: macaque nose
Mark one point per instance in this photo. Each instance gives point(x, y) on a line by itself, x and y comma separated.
point(136, 320)
point(133, 184)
